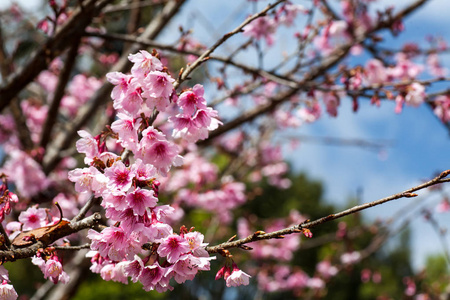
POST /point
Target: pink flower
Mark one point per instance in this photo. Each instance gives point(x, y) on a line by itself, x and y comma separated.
point(288, 13)
point(121, 82)
point(416, 94)
point(326, 269)
point(316, 283)
point(126, 127)
point(410, 286)
point(442, 109)
point(33, 218)
point(332, 102)
point(322, 43)
point(193, 99)
point(53, 269)
point(350, 257)
point(158, 86)
point(376, 277)
point(187, 128)
point(150, 276)
point(107, 272)
point(82, 178)
point(405, 68)
point(120, 177)
point(237, 277)
point(150, 134)
point(187, 267)
point(365, 275)
point(338, 28)
point(19, 167)
point(434, 66)
point(375, 72)
point(310, 113)
point(158, 231)
point(206, 118)
point(163, 212)
point(7, 197)
point(443, 206)
point(97, 261)
point(3, 274)
point(173, 247)
point(140, 199)
point(114, 272)
point(134, 268)
point(7, 291)
point(399, 100)
point(48, 80)
point(130, 101)
point(35, 117)
point(83, 87)
point(144, 63)
point(114, 243)
point(263, 27)
point(195, 241)
point(160, 153)
point(143, 172)
point(224, 272)
point(87, 145)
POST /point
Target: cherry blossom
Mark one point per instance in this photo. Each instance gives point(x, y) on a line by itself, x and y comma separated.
point(144, 63)
point(7, 291)
point(33, 218)
point(173, 247)
point(263, 27)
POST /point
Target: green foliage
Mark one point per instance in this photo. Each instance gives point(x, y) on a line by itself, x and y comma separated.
point(437, 272)
point(99, 289)
point(21, 279)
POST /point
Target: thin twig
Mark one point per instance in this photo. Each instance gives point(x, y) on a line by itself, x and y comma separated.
point(334, 58)
point(227, 60)
point(205, 54)
point(73, 248)
point(309, 224)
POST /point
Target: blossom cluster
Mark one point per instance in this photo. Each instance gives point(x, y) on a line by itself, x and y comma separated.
point(129, 187)
point(399, 73)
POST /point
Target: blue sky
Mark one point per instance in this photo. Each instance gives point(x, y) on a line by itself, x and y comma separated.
point(420, 142)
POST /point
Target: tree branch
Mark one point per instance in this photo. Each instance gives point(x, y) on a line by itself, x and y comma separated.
point(59, 93)
point(53, 47)
point(204, 57)
point(310, 224)
point(12, 255)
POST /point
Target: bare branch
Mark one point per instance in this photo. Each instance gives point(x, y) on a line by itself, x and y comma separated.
point(329, 62)
point(309, 224)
